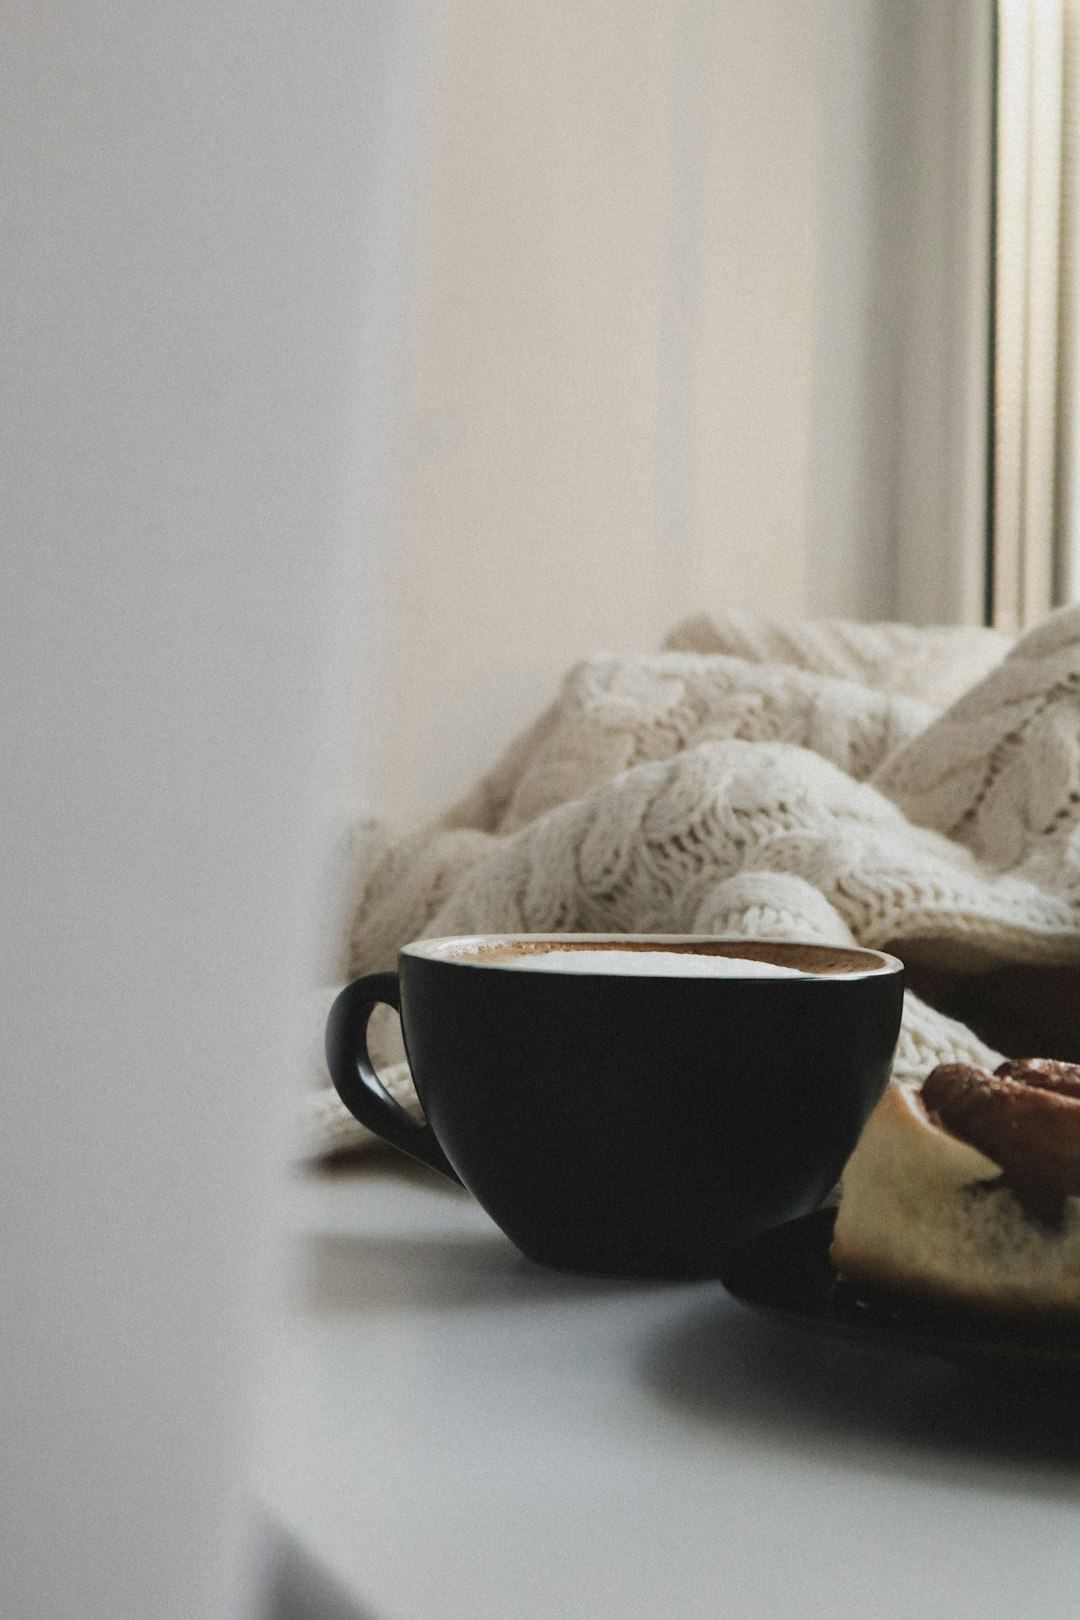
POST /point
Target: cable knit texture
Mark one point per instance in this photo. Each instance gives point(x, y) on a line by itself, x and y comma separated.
point(825, 781)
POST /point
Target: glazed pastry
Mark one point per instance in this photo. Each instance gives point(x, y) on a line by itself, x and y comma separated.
point(968, 1191)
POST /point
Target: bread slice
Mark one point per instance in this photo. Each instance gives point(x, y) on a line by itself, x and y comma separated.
point(923, 1213)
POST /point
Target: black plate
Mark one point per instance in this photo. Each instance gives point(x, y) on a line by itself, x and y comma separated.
point(787, 1273)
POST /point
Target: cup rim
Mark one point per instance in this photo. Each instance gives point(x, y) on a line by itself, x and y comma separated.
point(453, 950)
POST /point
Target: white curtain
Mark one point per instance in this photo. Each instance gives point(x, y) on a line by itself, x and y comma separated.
point(1035, 554)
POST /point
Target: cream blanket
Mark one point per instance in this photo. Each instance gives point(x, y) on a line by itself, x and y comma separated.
point(875, 784)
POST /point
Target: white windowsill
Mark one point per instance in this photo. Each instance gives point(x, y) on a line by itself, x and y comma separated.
point(452, 1431)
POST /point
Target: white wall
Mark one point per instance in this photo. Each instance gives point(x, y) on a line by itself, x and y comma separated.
point(659, 351)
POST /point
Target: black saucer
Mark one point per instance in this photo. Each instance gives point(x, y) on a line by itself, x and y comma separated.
point(787, 1273)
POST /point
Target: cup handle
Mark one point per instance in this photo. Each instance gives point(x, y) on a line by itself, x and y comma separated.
point(354, 1077)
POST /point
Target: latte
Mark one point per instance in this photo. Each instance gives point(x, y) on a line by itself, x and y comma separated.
point(662, 964)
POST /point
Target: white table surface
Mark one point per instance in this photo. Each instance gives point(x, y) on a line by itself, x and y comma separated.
point(450, 1430)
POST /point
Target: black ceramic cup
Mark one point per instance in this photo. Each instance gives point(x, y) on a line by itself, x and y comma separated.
point(628, 1125)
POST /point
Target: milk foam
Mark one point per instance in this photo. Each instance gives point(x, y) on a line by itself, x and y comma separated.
point(662, 964)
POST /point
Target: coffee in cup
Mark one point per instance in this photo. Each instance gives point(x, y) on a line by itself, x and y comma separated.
point(629, 1105)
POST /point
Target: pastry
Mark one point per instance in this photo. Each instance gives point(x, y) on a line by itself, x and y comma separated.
point(968, 1191)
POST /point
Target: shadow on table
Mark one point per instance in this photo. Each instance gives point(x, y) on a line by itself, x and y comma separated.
point(293, 1585)
point(345, 1273)
point(377, 1161)
point(851, 1405)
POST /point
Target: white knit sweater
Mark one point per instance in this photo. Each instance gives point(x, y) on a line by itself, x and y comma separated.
point(827, 781)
